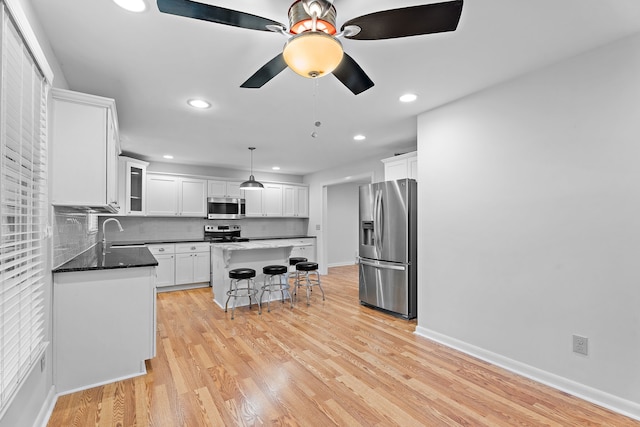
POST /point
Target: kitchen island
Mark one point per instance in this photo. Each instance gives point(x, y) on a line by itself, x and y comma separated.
point(252, 254)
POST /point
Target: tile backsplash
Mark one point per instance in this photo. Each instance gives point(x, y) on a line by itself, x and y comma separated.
point(73, 233)
point(147, 229)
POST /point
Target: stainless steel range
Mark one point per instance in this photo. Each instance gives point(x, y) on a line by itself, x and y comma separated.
point(223, 233)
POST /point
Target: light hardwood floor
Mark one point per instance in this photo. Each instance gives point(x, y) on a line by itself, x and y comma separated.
point(332, 363)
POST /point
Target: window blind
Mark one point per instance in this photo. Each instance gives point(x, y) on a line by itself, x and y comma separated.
point(23, 209)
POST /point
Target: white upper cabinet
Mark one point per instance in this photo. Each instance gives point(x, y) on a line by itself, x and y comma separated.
point(295, 201)
point(267, 202)
point(169, 195)
point(193, 197)
point(133, 186)
point(217, 188)
point(401, 166)
point(84, 153)
point(162, 195)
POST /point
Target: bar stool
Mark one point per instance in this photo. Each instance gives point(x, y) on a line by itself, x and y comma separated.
point(294, 260)
point(271, 272)
point(304, 270)
point(292, 264)
point(236, 275)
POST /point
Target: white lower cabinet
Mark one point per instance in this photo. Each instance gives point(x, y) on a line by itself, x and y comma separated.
point(181, 264)
point(165, 255)
point(304, 247)
point(104, 326)
point(192, 263)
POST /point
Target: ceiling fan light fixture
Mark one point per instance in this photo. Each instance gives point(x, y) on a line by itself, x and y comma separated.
point(300, 20)
point(313, 54)
point(251, 183)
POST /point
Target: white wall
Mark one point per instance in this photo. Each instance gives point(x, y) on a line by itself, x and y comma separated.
point(218, 172)
point(342, 224)
point(368, 168)
point(530, 224)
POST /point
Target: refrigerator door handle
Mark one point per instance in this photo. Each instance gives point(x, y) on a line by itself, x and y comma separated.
point(378, 264)
point(379, 232)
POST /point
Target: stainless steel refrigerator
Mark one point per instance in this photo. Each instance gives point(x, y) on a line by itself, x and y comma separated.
point(388, 246)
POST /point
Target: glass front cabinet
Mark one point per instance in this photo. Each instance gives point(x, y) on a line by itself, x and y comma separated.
point(134, 179)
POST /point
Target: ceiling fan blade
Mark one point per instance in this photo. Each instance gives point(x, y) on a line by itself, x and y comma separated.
point(266, 73)
point(408, 21)
point(219, 15)
point(352, 76)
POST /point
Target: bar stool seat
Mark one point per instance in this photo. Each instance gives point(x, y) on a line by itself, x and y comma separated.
point(307, 276)
point(270, 272)
point(296, 259)
point(235, 291)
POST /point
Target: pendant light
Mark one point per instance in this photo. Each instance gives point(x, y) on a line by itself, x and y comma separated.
point(251, 184)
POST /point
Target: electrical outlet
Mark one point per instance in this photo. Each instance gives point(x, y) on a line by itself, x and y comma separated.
point(580, 344)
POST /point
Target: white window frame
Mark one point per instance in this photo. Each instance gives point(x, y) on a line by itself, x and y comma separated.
point(25, 77)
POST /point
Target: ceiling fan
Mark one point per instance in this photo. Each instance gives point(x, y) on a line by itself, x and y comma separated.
point(313, 48)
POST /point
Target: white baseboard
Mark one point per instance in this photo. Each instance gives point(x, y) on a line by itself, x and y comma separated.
point(617, 404)
point(47, 409)
point(341, 263)
point(143, 371)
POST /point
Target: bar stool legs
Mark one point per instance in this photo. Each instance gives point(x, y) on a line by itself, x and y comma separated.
point(307, 275)
point(281, 273)
point(235, 291)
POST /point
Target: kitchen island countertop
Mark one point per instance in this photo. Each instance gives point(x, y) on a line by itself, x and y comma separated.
point(243, 246)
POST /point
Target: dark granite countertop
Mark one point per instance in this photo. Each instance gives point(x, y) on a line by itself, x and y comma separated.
point(281, 237)
point(169, 241)
point(115, 257)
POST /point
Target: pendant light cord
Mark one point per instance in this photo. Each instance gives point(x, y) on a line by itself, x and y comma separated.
point(251, 149)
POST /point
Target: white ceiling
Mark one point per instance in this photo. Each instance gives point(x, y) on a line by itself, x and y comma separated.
point(151, 63)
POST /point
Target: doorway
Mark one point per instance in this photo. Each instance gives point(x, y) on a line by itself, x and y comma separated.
point(341, 203)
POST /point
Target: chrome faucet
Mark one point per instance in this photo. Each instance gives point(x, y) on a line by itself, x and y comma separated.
point(104, 236)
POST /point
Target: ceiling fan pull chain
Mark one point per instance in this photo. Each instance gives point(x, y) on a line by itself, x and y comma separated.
point(316, 122)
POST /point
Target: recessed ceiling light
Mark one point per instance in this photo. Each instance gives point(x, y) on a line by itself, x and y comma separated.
point(408, 97)
point(199, 103)
point(276, 168)
point(132, 5)
point(359, 138)
point(168, 156)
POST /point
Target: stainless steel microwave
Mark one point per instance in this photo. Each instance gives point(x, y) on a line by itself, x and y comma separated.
point(225, 208)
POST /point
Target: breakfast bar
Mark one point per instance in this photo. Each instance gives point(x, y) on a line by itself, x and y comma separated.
point(255, 255)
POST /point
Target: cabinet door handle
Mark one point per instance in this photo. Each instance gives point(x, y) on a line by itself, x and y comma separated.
point(193, 248)
point(161, 250)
